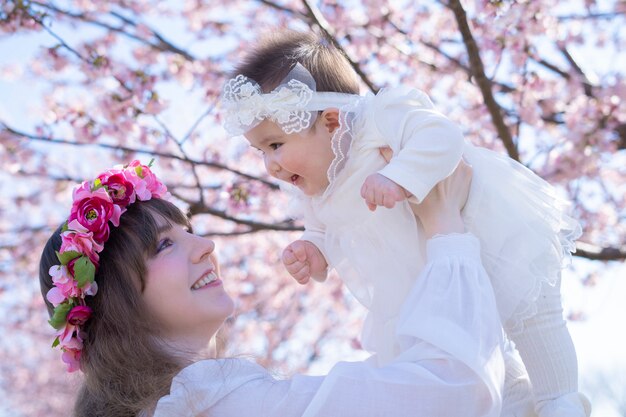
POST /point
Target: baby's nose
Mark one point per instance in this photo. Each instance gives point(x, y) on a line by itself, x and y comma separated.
point(272, 166)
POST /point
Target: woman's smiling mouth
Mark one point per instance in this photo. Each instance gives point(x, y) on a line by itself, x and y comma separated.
point(204, 280)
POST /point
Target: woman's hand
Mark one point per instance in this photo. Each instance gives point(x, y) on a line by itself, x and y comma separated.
point(440, 212)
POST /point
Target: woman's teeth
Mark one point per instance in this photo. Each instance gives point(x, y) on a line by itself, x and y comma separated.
point(205, 280)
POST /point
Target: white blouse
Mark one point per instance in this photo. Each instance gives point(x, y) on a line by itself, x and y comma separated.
point(450, 362)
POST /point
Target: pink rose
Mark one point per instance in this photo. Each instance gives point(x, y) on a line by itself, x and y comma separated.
point(77, 238)
point(94, 211)
point(147, 185)
point(121, 191)
point(79, 315)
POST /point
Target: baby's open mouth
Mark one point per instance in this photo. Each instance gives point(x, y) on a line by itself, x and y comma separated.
point(294, 178)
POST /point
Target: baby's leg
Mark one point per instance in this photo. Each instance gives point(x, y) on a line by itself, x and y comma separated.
point(546, 348)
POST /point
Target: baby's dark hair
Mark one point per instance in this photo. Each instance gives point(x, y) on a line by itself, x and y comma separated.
point(278, 52)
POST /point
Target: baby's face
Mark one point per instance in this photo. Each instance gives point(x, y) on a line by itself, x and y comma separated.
point(301, 159)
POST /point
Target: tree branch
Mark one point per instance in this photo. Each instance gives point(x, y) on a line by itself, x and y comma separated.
point(590, 16)
point(316, 16)
point(162, 44)
point(283, 9)
point(210, 164)
point(201, 208)
point(595, 253)
point(478, 72)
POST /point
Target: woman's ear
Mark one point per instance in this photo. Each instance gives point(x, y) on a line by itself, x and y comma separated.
point(330, 118)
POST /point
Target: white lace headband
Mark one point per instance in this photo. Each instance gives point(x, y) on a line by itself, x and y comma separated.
point(292, 105)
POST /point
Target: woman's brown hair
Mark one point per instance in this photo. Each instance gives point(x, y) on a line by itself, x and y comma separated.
point(126, 368)
point(277, 53)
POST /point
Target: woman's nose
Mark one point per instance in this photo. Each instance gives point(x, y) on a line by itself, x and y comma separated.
point(204, 247)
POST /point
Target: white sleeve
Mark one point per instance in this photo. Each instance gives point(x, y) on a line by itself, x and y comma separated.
point(427, 146)
point(451, 338)
point(451, 363)
point(314, 230)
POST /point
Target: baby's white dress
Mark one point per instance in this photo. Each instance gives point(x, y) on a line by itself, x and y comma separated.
point(525, 232)
point(449, 363)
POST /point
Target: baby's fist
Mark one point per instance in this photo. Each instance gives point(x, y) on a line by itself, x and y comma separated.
point(378, 190)
point(303, 260)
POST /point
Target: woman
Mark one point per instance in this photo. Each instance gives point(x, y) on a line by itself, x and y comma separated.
point(137, 298)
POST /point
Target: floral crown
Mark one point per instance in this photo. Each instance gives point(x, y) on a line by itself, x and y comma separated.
point(292, 105)
point(96, 206)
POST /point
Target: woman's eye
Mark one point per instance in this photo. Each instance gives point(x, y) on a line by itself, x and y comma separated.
point(164, 244)
point(274, 146)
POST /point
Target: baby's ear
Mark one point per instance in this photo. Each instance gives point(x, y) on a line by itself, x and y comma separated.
point(330, 118)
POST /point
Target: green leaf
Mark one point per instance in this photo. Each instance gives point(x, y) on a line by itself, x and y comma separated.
point(56, 342)
point(84, 271)
point(60, 314)
point(67, 256)
point(64, 228)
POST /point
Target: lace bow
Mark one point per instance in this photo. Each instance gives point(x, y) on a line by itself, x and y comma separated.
point(246, 105)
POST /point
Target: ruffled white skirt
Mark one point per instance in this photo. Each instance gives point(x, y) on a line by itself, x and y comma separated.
point(525, 231)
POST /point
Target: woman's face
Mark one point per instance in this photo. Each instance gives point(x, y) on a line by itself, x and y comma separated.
point(183, 290)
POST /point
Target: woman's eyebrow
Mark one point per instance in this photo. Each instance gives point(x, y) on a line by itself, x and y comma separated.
point(164, 228)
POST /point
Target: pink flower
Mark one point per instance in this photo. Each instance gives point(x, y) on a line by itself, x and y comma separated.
point(55, 296)
point(146, 184)
point(90, 289)
point(63, 279)
point(72, 351)
point(79, 315)
point(120, 190)
point(94, 210)
point(78, 238)
point(66, 334)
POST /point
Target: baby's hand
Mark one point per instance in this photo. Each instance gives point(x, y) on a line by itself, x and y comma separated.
point(304, 260)
point(378, 190)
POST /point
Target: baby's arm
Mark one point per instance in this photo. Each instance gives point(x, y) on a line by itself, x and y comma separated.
point(378, 190)
point(426, 145)
point(304, 260)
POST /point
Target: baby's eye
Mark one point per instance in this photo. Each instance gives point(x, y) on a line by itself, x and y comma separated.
point(274, 146)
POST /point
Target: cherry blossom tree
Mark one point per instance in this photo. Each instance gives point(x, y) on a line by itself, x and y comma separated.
point(106, 82)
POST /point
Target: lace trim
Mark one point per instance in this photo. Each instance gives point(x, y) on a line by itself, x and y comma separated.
point(341, 142)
